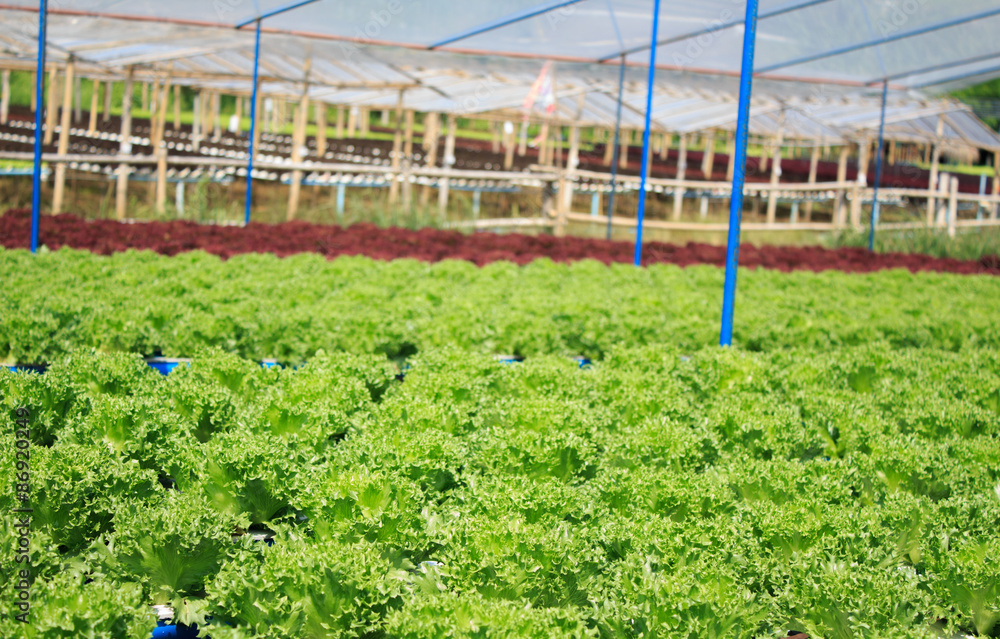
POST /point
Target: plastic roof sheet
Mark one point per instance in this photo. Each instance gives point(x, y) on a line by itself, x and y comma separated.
point(818, 61)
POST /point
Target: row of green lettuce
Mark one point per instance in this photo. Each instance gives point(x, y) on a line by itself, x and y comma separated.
point(658, 493)
point(262, 307)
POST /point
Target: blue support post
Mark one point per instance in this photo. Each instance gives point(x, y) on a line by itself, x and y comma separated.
point(341, 194)
point(253, 125)
point(645, 135)
point(878, 168)
point(595, 203)
point(36, 184)
point(614, 151)
point(739, 174)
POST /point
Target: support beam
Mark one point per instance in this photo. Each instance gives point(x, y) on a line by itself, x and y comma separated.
point(144, 100)
point(522, 142)
point(448, 162)
point(77, 99)
point(352, 122)
point(731, 151)
point(626, 137)
point(339, 132)
point(681, 174)
point(644, 168)
point(873, 223)
point(509, 146)
point(59, 191)
point(95, 97)
point(566, 182)
point(543, 145)
point(34, 98)
point(952, 205)
point(432, 122)
point(121, 193)
point(216, 116)
point(109, 87)
point(864, 158)
point(408, 160)
point(39, 78)
point(254, 126)
point(609, 150)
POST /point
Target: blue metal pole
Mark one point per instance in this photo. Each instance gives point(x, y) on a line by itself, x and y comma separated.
point(614, 151)
point(739, 174)
point(878, 168)
point(645, 135)
point(36, 185)
point(253, 125)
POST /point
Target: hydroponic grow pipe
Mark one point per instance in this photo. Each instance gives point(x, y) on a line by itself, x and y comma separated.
point(36, 179)
point(878, 168)
point(614, 151)
point(253, 125)
point(739, 174)
point(645, 135)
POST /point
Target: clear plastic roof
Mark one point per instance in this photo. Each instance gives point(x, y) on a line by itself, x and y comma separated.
point(819, 62)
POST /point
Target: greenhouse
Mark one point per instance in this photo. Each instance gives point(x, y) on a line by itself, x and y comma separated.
point(536, 318)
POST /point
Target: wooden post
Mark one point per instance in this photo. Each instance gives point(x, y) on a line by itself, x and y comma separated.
point(731, 151)
point(64, 125)
point(624, 138)
point(609, 149)
point(352, 122)
point(177, 107)
point(935, 165)
point(365, 116)
point(495, 145)
point(95, 97)
point(397, 150)
point(158, 123)
point(813, 169)
point(260, 118)
point(51, 110)
point(892, 152)
point(665, 140)
point(77, 99)
point(556, 146)
point(161, 179)
point(952, 205)
point(509, 146)
point(339, 132)
point(301, 119)
point(681, 174)
point(431, 125)
point(144, 101)
point(321, 128)
point(864, 155)
point(522, 142)
point(772, 197)
point(996, 183)
point(708, 157)
point(34, 97)
point(408, 160)
point(543, 147)
point(841, 206)
point(216, 116)
point(108, 92)
point(152, 99)
point(5, 97)
point(449, 161)
point(565, 201)
point(121, 193)
point(199, 97)
point(159, 148)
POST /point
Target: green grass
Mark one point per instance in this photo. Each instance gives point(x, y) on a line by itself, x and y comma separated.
point(965, 246)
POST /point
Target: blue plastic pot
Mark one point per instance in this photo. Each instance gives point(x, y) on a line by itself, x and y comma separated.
point(164, 365)
point(582, 361)
point(174, 631)
point(270, 363)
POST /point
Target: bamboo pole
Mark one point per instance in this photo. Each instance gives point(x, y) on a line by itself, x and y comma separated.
point(95, 97)
point(448, 163)
point(543, 146)
point(565, 201)
point(731, 150)
point(59, 191)
point(159, 148)
point(260, 118)
point(609, 150)
point(5, 97)
point(665, 146)
point(522, 142)
point(144, 100)
point(216, 116)
point(161, 179)
point(681, 171)
point(321, 128)
point(340, 122)
point(155, 88)
point(121, 193)
point(935, 167)
point(397, 150)
point(199, 98)
point(51, 110)
point(352, 122)
point(495, 143)
point(813, 169)
point(34, 96)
